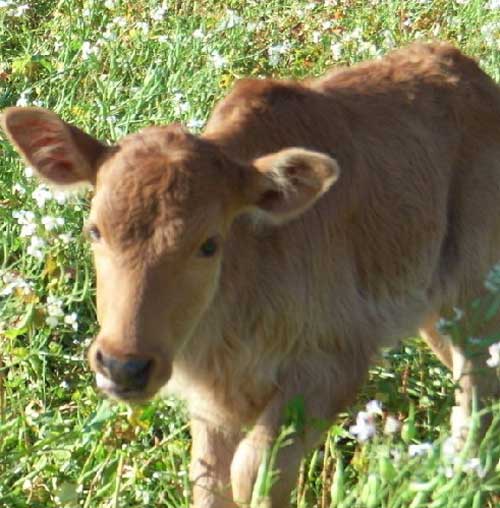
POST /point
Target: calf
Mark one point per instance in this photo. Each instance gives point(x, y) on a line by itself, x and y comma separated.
point(271, 257)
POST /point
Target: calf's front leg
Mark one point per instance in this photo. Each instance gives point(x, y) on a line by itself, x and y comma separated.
point(212, 450)
point(325, 386)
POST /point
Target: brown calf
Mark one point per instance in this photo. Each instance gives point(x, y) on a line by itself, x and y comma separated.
point(311, 223)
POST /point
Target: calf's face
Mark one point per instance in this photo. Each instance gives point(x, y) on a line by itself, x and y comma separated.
point(164, 201)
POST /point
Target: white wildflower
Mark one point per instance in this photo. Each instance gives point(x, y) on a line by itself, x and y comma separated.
point(51, 223)
point(336, 49)
point(28, 172)
point(364, 428)
point(20, 10)
point(195, 124)
point(493, 4)
point(52, 321)
point(41, 195)
point(230, 20)
point(181, 105)
point(54, 311)
point(474, 466)
point(35, 247)
point(198, 34)
point(374, 407)
point(159, 13)
point(143, 26)
point(12, 282)
point(392, 425)
point(316, 36)
point(162, 39)
point(109, 34)
point(110, 4)
point(17, 188)
point(326, 25)
point(416, 450)
point(60, 197)
point(65, 238)
point(120, 21)
point(26, 219)
point(72, 320)
point(86, 12)
point(88, 50)
point(277, 51)
point(23, 100)
point(218, 60)
point(494, 359)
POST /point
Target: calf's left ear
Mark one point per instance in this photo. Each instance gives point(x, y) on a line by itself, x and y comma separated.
point(284, 184)
point(59, 152)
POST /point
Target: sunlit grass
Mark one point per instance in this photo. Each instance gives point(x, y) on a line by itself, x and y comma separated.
point(112, 67)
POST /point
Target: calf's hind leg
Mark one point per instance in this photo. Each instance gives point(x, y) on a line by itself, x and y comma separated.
point(468, 364)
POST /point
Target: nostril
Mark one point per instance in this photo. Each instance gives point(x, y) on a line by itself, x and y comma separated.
point(98, 357)
point(138, 367)
point(130, 373)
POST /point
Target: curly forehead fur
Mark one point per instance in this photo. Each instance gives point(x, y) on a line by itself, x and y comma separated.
point(157, 184)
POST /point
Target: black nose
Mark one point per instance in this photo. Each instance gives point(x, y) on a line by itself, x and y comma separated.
point(130, 373)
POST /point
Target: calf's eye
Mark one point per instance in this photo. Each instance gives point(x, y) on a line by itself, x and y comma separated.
point(92, 232)
point(208, 248)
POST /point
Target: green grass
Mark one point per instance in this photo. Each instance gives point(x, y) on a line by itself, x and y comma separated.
point(61, 443)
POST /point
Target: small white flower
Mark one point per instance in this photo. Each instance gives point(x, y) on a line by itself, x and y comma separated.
point(494, 359)
point(65, 238)
point(159, 13)
point(374, 407)
point(326, 25)
point(12, 281)
point(72, 320)
point(195, 124)
point(60, 197)
point(41, 195)
point(23, 100)
point(364, 428)
point(162, 39)
point(88, 50)
point(277, 51)
point(28, 172)
point(110, 4)
point(316, 36)
point(35, 247)
point(198, 34)
point(416, 450)
point(28, 230)
point(51, 223)
point(86, 12)
point(474, 466)
point(230, 21)
point(493, 4)
point(392, 425)
point(52, 321)
point(120, 21)
point(20, 10)
point(17, 188)
point(336, 49)
point(54, 307)
point(143, 26)
point(218, 60)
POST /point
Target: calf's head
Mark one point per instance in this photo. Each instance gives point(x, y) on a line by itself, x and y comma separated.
point(164, 201)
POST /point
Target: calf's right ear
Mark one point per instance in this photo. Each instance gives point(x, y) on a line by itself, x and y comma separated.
point(60, 153)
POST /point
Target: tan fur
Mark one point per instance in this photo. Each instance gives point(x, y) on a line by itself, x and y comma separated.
point(409, 230)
